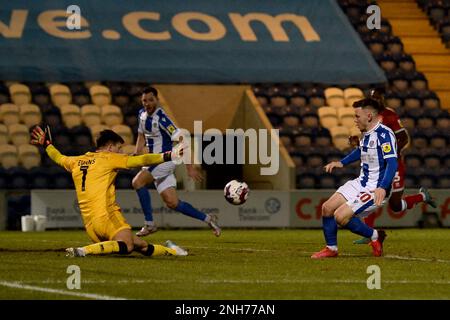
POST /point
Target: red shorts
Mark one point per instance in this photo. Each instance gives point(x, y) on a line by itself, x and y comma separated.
point(399, 180)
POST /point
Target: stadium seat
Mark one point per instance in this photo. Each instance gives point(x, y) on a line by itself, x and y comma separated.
point(306, 181)
point(128, 148)
point(96, 129)
point(351, 95)
point(419, 140)
point(346, 117)
point(291, 120)
point(328, 117)
point(417, 80)
point(125, 132)
point(30, 115)
point(340, 136)
point(438, 141)
point(411, 100)
point(299, 99)
point(60, 95)
point(4, 137)
point(60, 178)
point(71, 115)
point(444, 181)
point(430, 100)
point(111, 115)
point(29, 156)
point(19, 134)
point(302, 139)
point(81, 136)
point(8, 156)
point(123, 180)
point(322, 138)
point(327, 181)
point(122, 100)
point(39, 178)
point(18, 178)
point(432, 161)
point(310, 120)
point(20, 94)
point(91, 114)
point(100, 95)
point(52, 117)
point(9, 113)
point(392, 100)
point(335, 97)
point(354, 131)
point(316, 97)
point(425, 122)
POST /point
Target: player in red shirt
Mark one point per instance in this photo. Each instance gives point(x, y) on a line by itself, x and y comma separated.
point(397, 202)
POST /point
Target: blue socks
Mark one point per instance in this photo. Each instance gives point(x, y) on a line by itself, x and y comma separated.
point(355, 225)
point(146, 203)
point(330, 227)
point(187, 209)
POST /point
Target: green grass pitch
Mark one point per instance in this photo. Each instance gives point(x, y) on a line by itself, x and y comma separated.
point(241, 264)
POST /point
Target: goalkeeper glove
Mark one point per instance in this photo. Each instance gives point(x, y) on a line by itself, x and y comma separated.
point(175, 155)
point(40, 137)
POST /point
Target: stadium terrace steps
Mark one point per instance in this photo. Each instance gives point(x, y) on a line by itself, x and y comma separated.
point(419, 27)
point(444, 95)
point(406, 9)
point(423, 42)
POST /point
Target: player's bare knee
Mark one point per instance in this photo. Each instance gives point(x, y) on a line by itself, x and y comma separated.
point(171, 203)
point(130, 246)
point(137, 183)
point(327, 209)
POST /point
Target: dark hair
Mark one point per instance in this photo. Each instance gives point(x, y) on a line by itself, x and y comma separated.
point(106, 137)
point(150, 89)
point(377, 94)
point(368, 102)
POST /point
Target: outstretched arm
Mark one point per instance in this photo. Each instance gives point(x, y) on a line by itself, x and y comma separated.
point(155, 158)
point(353, 156)
point(44, 139)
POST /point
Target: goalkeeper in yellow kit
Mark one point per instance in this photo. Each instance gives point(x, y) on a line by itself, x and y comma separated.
point(93, 174)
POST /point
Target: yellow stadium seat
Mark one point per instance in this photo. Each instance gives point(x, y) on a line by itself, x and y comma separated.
point(9, 113)
point(340, 136)
point(4, 138)
point(96, 129)
point(30, 115)
point(125, 132)
point(29, 156)
point(100, 95)
point(128, 149)
point(90, 114)
point(335, 97)
point(111, 115)
point(328, 117)
point(346, 117)
point(351, 95)
point(8, 156)
point(18, 134)
point(60, 94)
point(354, 131)
point(20, 93)
point(71, 115)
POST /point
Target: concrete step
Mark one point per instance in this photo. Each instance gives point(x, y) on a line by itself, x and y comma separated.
point(430, 62)
point(406, 10)
point(438, 80)
point(413, 28)
point(424, 45)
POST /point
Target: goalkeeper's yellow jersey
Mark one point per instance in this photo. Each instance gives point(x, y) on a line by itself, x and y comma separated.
point(93, 175)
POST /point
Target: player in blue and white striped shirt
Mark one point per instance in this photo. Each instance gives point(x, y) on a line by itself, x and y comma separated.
point(157, 132)
point(362, 196)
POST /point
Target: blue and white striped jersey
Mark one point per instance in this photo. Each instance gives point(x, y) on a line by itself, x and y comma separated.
point(158, 129)
point(376, 146)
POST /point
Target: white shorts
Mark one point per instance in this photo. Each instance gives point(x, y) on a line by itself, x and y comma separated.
point(359, 198)
point(163, 175)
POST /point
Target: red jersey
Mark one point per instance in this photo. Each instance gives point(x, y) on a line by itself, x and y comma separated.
point(390, 119)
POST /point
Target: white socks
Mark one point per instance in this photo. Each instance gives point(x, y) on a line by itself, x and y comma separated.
point(374, 236)
point(334, 248)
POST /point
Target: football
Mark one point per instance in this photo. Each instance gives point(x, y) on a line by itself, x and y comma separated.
point(236, 192)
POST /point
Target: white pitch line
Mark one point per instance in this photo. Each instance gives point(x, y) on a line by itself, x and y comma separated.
point(56, 291)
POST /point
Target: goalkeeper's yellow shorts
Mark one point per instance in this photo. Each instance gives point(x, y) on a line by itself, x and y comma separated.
point(106, 228)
